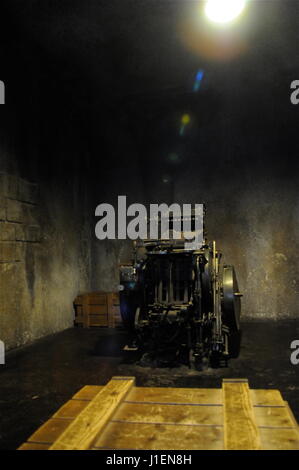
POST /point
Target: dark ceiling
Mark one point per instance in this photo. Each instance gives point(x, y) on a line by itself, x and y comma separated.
point(131, 64)
point(131, 47)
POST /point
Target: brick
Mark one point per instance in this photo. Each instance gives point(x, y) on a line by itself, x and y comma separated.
point(2, 208)
point(31, 214)
point(20, 233)
point(7, 252)
point(7, 232)
point(20, 252)
point(34, 233)
point(28, 233)
point(19, 212)
point(8, 275)
point(14, 211)
point(8, 185)
point(27, 192)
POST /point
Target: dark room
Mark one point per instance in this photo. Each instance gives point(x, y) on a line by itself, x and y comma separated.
point(149, 227)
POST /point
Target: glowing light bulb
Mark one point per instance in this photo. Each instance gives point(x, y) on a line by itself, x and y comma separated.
point(224, 11)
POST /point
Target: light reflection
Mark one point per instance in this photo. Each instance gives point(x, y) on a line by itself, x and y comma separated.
point(198, 80)
point(224, 11)
point(184, 123)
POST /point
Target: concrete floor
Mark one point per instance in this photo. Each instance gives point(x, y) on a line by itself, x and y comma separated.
point(39, 378)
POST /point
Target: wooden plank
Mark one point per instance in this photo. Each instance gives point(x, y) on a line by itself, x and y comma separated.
point(98, 320)
point(292, 417)
point(151, 418)
point(33, 446)
point(279, 438)
point(266, 398)
point(71, 409)
point(92, 420)
point(111, 322)
point(49, 431)
point(160, 436)
point(115, 298)
point(78, 310)
point(113, 309)
point(98, 310)
point(273, 416)
point(85, 307)
point(88, 392)
point(199, 396)
point(78, 300)
point(97, 299)
point(170, 414)
point(240, 429)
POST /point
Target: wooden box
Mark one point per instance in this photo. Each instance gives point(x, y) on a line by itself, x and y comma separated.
point(97, 309)
point(120, 415)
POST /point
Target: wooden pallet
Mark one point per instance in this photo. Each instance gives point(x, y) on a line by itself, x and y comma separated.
point(97, 309)
point(122, 416)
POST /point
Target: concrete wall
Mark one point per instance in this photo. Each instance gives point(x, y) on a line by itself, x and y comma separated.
point(255, 225)
point(244, 167)
point(256, 228)
point(119, 173)
point(44, 259)
point(45, 225)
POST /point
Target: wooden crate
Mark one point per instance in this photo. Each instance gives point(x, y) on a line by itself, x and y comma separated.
point(114, 309)
point(122, 416)
point(97, 309)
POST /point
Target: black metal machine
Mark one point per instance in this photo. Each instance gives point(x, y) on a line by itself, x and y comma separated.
point(181, 305)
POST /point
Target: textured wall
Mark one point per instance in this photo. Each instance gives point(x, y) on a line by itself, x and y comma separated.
point(45, 225)
point(44, 260)
point(244, 166)
point(256, 228)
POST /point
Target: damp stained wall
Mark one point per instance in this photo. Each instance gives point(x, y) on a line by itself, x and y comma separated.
point(45, 232)
point(44, 260)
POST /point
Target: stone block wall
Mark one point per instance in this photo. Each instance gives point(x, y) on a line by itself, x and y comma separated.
point(18, 217)
point(44, 257)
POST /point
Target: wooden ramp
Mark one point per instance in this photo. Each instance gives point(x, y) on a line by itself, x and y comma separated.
point(122, 416)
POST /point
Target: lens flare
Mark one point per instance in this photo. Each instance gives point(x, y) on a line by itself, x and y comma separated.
point(184, 122)
point(198, 79)
point(224, 11)
point(185, 119)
